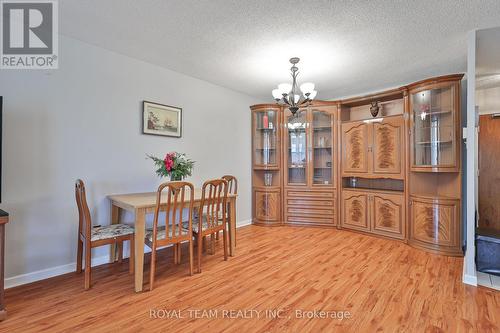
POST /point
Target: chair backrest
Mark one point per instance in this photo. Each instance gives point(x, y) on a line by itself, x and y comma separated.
point(84, 220)
point(175, 197)
point(232, 184)
point(213, 203)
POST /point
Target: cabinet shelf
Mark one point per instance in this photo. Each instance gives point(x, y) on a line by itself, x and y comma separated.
point(428, 143)
point(265, 129)
point(434, 113)
point(322, 147)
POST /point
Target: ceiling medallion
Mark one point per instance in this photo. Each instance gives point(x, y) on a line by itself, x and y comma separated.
point(288, 94)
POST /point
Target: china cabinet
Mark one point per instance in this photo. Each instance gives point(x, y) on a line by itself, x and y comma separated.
point(435, 178)
point(435, 127)
point(310, 165)
point(266, 160)
point(385, 164)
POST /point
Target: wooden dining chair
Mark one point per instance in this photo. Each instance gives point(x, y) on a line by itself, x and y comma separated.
point(232, 188)
point(211, 216)
point(93, 236)
point(175, 197)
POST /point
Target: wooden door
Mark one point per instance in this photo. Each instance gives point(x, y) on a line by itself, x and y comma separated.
point(388, 214)
point(489, 173)
point(322, 147)
point(435, 127)
point(355, 214)
point(267, 205)
point(435, 221)
point(355, 137)
point(388, 147)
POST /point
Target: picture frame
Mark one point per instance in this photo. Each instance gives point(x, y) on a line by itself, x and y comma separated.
point(161, 119)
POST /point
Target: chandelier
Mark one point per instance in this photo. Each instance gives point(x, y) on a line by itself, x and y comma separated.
point(288, 94)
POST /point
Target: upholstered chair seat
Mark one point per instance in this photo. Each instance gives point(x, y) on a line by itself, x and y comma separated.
point(111, 231)
point(162, 232)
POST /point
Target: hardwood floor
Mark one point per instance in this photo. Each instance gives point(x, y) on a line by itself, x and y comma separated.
point(385, 286)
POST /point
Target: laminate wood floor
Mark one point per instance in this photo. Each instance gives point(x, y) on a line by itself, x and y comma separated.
point(384, 286)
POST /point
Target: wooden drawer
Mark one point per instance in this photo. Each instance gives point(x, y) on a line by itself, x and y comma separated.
point(311, 220)
point(311, 195)
point(307, 202)
point(305, 210)
point(311, 207)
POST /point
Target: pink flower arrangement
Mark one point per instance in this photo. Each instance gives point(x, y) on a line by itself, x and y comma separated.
point(175, 165)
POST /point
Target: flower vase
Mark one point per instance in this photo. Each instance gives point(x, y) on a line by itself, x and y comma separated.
point(175, 178)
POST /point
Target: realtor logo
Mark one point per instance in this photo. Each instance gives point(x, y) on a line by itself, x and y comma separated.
point(29, 34)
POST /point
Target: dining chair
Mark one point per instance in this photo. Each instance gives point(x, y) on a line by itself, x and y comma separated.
point(232, 188)
point(212, 214)
point(93, 236)
point(179, 197)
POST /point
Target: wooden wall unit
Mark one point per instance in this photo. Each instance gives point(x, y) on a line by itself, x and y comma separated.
point(395, 175)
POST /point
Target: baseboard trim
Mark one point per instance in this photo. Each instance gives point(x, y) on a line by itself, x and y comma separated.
point(468, 278)
point(43, 274)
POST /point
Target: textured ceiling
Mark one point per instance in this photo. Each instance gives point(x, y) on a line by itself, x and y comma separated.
point(346, 47)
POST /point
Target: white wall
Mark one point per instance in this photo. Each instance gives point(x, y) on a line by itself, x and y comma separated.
point(488, 100)
point(84, 120)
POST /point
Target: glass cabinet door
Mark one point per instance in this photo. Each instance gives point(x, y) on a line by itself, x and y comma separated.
point(265, 138)
point(296, 147)
point(433, 117)
point(322, 147)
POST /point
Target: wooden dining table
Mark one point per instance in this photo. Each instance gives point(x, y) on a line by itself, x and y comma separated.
point(144, 203)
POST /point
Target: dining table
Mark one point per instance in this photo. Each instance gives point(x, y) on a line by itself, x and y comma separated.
point(145, 203)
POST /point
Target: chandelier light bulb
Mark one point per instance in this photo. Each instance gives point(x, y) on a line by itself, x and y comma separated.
point(277, 94)
point(313, 94)
point(284, 88)
point(307, 88)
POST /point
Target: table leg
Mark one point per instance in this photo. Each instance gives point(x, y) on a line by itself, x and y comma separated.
point(140, 221)
point(3, 312)
point(114, 219)
point(232, 226)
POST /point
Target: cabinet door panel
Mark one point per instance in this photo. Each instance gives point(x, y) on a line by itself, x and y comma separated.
point(388, 215)
point(355, 210)
point(267, 205)
point(355, 147)
point(388, 147)
point(435, 221)
point(265, 139)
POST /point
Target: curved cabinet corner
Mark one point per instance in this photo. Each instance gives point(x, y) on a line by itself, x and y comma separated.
point(435, 224)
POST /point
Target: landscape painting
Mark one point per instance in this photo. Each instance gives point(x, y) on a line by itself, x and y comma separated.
point(159, 119)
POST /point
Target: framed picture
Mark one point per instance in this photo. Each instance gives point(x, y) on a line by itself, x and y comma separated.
point(159, 119)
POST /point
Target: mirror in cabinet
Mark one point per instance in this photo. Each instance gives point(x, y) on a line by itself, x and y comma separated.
point(296, 147)
point(265, 138)
point(434, 118)
point(322, 150)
